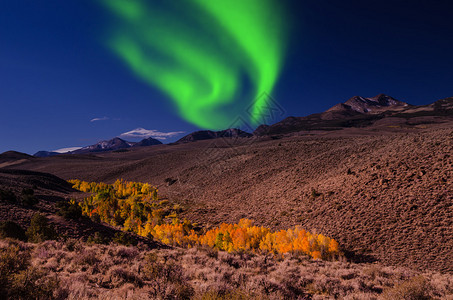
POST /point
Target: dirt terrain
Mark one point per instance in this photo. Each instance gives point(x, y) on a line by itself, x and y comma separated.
point(384, 192)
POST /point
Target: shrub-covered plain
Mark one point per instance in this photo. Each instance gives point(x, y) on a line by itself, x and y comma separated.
point(76, 270)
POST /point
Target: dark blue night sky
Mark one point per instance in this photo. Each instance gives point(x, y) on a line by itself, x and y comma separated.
point(56, 75)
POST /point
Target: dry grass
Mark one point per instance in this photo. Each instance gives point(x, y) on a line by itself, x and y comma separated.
point(77, 270)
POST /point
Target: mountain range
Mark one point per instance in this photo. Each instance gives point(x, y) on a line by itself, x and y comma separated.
point(358, 111)
point(117, 143)
point(103, 146)
point(361, 112)
point(208, 134)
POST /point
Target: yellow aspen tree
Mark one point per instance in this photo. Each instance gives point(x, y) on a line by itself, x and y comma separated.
point(333, 246)
point(316, 254)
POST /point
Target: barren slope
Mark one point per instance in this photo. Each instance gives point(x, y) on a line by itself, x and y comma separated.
point(384, 192)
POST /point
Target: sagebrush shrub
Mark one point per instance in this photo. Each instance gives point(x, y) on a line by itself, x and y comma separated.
point(9, 229)
point(40, 230)
point(28, 197)
point(416, 288)
point(123, 238)
point(20, 280)
point(98, 238)
point(69, 210)
point(7, 196)
point(167, 278)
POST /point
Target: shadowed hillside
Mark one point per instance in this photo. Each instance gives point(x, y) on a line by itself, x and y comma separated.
point(26, 193)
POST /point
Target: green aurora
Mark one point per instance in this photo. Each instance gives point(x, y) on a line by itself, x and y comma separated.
point(213, 58)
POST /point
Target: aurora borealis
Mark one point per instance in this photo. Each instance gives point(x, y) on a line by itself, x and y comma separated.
point(211, 58)
point(188, 65)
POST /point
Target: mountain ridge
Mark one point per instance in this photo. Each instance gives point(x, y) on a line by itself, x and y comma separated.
point(357, 111)
point(209, 134)
point(103, 146)
point(369, 105)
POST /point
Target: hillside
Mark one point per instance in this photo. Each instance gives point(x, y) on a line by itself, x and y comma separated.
point(24, 193)
point(360, 112)
point(384, 192)
point(373, 105)
point(78, 266)
point(12, 157)
point(209, 135)
point(45, 153)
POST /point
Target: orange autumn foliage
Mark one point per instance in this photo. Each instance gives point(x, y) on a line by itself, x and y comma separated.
point(135, 207)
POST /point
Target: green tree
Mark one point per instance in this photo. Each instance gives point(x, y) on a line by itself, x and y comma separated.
point(40, 229)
